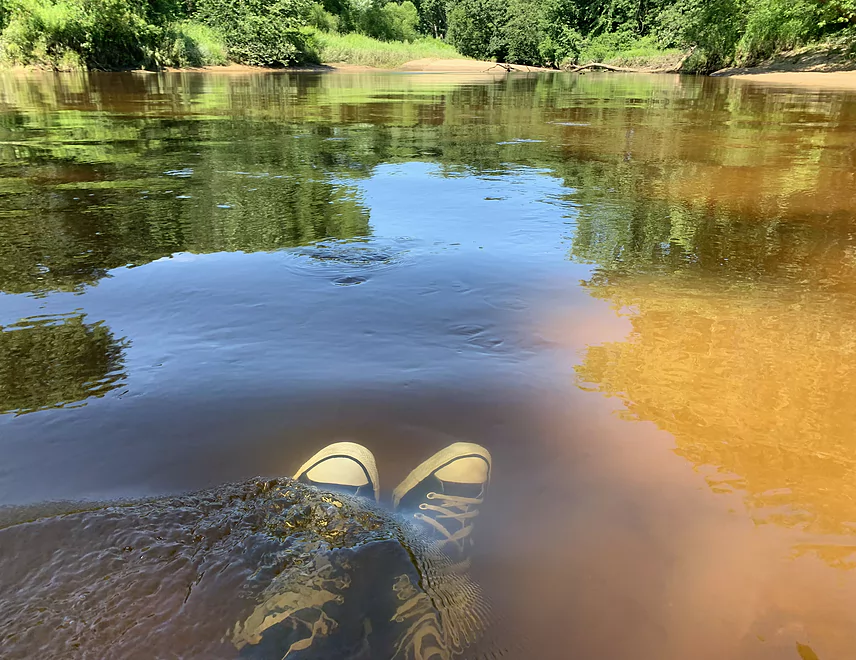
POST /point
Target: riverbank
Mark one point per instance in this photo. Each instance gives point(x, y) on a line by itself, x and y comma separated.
point(814, 78)
point(829, 80)
point(812, 66)
point(823, 72)
point(832, 73)
point(421, 65)
point(816, 58)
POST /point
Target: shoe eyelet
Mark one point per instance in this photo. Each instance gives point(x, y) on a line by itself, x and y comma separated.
point(431, 496)
point(423, 506)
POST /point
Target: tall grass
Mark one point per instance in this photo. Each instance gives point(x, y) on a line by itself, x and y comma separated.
point(359, 49)
point(261, 32)
point(188, 43)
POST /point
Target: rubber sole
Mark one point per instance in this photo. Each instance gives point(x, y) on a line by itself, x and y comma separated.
point(443, 457)
point(352, 450)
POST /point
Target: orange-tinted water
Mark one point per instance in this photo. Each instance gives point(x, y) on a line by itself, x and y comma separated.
point(638, 292)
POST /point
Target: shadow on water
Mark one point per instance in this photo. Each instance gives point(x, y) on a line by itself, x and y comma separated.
point(523, 245)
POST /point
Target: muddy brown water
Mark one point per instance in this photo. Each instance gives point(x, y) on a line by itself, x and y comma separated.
point(638, 292)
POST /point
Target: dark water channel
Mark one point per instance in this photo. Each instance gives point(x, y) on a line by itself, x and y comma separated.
point(638, 292)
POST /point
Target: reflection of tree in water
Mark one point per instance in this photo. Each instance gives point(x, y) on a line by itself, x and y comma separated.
point(78, 201)
point(755, 383)
point(739, 273)
point(629, 233)
point(53, 362)
point(57, 235)
point(743, 346)
point(728, 235)
point(88, 186)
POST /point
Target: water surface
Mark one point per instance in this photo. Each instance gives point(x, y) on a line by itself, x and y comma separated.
point(638, 292)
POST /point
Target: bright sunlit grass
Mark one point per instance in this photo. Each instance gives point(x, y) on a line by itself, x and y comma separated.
point(362, 50)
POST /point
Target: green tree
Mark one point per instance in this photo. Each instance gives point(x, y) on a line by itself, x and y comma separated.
point(261, 32)
point(432, 17)
point(774, 25)
point(98, 34)
point(387, 21)
point(476, 28)
point(523, 32)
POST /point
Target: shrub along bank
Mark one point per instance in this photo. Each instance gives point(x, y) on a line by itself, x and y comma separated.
point(721, 32)
point(111, 34)
point(152, 33)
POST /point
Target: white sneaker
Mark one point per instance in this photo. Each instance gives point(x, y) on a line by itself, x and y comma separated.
point(445, 493)
point(344, 467)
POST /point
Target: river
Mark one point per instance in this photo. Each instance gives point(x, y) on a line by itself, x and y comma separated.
point(637, 292)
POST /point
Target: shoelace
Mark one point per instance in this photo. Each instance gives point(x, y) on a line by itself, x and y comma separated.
point(462, 513)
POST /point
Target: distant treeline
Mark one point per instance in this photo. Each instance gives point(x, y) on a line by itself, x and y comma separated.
point(149, 33)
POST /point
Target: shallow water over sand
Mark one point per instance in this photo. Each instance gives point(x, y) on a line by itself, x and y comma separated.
point(638, 292)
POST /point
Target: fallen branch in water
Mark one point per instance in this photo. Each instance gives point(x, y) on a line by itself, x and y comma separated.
point(672, 68)
point(517, 67)
point(600, 65)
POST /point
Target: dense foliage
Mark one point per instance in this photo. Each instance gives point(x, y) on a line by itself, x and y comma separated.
point(364, 51)
point(260, 32)
point(150, 33)
point(722, 32)
point(70, 32)
point(105, 34)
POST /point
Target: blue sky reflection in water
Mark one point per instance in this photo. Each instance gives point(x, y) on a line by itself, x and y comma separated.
point(207, 277)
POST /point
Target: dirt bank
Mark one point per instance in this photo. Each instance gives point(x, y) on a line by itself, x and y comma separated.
point(830, 80)
point(424, 65)
point(437, 65)
point(812, 66)
point(820, 71)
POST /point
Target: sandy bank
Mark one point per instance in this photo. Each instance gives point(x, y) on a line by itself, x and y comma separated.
point(424, 65)
point(437, 65)
point(810, 66)
point(834, 76)
point(769, 75)
point(826, 80)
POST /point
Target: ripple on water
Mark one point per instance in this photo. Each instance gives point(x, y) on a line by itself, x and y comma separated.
point(184, 173)
point(347, 263)
point(486, 339)
point(349, 280)
point(246, 570)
